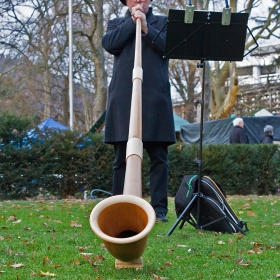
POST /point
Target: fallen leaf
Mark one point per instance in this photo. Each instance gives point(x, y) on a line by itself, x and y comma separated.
point(76, 262)
point(81, 249)
point(239, 237)
point(230, 241)
point(158, 277)
point(12, 218)
point(86, 254)
point(246, 206)
point(182, 246)
point(1, 238)
point(246, 264)
point(239, 261)
point(57, 266)
point(46, 273)
point(221, 242)
point(170, 251)
point(278, 275)
point(168, 263)
point(99, 258)
point(224, 256)
point(251, 214)
point(45, 260)
point(256, 246)
point(74, 224)
point(16, 265)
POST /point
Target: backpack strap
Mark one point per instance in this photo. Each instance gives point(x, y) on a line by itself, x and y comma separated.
point(191, 185)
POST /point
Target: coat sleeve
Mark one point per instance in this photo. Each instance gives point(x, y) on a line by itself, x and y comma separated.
point(119, 32)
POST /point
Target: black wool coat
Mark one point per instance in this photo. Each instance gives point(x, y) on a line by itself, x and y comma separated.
point(238, 136)
point(157, 114)
point(266, 139)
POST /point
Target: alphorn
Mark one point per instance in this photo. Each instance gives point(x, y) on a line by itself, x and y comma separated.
point(124, 221)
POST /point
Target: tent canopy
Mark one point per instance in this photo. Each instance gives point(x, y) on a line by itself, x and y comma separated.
point(51, 124)
point(263, 113)
point(178, 122)
point(217, 132)
point(46, 124)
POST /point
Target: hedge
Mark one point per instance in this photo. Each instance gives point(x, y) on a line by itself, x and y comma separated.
point(239, 169)
point(64, 164)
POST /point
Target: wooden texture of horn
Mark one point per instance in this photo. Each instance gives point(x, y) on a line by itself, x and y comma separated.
point(133, 178)
point(124, 221)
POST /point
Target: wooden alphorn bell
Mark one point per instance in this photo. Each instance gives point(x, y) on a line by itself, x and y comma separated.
point(123, 222)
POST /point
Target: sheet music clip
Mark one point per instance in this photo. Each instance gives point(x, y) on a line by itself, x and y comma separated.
point(189, 12)
point(226, 16)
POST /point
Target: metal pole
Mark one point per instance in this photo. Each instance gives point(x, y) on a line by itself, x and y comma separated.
point(71, 123)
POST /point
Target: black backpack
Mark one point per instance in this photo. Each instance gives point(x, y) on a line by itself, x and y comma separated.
point(214, 211)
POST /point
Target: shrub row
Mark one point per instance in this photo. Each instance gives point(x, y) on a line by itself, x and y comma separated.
point(57, 164)
point(239, 169)
point(67, 164)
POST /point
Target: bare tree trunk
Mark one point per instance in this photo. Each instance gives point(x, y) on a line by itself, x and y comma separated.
point(231, 94)
point(47, 95)
point(88, 110)
point(100, 74)
point(191, 93)
point(65, 103)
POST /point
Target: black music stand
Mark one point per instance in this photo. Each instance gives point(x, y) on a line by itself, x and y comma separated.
point(204, 39)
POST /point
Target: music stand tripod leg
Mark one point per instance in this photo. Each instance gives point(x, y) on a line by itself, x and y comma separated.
point(182, 215)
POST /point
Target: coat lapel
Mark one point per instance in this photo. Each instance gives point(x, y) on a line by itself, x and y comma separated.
point(151, 17)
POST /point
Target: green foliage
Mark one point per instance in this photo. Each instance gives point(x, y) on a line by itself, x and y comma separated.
point(58, 164)
point(181, 162)
point(13, 128)
point(66, 164)
point(239, 169)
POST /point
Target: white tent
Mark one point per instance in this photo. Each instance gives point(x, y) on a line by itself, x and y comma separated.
point(263, 113)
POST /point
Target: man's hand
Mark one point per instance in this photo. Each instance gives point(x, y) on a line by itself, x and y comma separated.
point(137, 12)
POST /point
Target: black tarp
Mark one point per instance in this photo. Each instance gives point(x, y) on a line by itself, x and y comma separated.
point(217, 132)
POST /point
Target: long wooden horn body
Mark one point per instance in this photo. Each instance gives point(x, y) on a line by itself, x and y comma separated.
point(123, 222)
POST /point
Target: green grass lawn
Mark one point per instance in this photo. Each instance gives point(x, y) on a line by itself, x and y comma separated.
point(53, 239)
